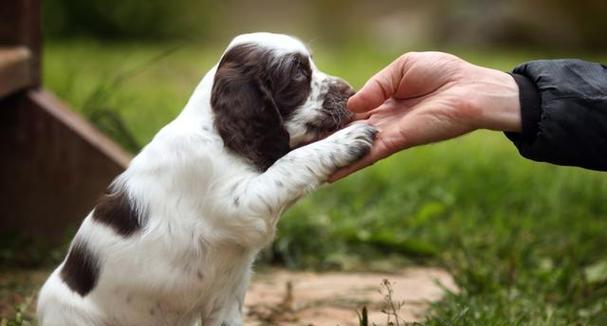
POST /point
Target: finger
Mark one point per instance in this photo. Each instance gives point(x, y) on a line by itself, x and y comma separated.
point(378, 89)
point(361, 116)
point(373, 94)
point(390, 104)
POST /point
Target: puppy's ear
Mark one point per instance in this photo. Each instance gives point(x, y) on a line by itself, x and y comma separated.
point(246, 116)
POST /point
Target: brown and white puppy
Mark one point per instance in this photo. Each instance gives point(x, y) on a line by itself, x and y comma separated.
point(174, 239)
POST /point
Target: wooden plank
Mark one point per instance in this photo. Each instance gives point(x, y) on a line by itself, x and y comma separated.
point(80, 127)
point(15, 69)
point(20, 25)
point(54, 166)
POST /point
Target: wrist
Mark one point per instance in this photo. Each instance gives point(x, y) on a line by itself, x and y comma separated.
point(497, 101)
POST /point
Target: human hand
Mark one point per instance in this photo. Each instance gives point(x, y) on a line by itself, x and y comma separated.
point(427, 97)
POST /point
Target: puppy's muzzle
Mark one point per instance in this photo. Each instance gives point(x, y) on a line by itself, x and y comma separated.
point(335, 114)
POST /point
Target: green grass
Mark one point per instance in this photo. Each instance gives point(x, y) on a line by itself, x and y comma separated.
point(526, 241)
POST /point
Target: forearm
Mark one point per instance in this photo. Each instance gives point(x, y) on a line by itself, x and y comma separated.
point(307, 167)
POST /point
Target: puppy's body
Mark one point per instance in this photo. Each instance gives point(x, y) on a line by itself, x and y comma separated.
point(173, 241)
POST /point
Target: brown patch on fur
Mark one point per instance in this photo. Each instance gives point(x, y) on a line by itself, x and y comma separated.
point(81, 269)
point(254, 90)
point(116, 211)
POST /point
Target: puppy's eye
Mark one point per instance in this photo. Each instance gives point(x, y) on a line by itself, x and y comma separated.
point(300, 74)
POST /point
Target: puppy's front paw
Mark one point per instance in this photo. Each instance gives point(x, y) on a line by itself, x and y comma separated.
point(354, 142)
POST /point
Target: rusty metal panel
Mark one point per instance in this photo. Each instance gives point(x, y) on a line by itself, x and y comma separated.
point(54, 165)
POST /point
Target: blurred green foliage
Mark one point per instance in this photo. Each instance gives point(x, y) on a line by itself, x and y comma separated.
point(545, 24)
point(141, 19)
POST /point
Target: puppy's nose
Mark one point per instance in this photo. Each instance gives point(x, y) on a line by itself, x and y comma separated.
point(342, 88)
point(335, 101)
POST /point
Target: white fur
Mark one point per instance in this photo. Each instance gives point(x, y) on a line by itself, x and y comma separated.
point(207, 214)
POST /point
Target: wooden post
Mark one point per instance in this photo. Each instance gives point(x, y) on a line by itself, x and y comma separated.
point(54, 164)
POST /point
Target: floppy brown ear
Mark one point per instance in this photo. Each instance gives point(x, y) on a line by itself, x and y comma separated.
point(246, 116)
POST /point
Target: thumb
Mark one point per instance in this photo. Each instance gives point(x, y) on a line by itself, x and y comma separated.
point(377, 90)
point(368, 98)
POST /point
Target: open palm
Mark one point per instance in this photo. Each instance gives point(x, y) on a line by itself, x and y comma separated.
point(427, 97)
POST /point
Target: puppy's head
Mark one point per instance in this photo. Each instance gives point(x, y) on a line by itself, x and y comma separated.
point(268, 97)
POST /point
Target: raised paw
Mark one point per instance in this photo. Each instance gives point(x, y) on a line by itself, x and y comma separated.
point(353, 143)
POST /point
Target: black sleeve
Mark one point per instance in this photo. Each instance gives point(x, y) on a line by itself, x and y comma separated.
point(564, 112)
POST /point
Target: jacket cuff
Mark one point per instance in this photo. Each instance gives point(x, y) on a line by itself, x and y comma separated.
point(531, 110)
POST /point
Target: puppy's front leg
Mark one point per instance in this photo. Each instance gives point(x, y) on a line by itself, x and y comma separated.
point(257, 202)
point(306, 168)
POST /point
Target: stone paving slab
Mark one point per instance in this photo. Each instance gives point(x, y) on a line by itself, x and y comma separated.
point(303, 298)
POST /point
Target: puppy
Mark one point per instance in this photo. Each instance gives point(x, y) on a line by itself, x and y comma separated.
point(173, 240)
